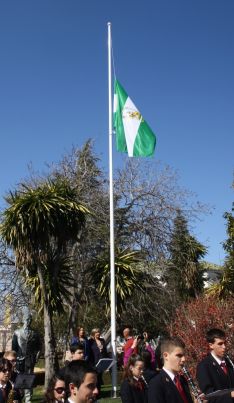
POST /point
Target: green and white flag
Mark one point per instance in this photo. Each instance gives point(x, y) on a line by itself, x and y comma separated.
point(133, 135)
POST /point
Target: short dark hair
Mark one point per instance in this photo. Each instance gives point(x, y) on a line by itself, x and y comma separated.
point(5, 364)
point(77, 346)
point(75, 372)
point(213, 334)
point(146, 357)
point(168, 344)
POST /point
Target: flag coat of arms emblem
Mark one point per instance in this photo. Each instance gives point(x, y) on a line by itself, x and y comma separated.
point(133, 134)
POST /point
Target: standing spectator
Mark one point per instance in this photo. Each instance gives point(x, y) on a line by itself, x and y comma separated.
point(146, 346)
point(97, 351)
point(131, 347)
point(127, 333)
point(133, 389)
point(97, 347)
point(120, 343)
point(81, 338)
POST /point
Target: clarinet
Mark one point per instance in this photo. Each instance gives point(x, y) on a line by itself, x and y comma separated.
point(192, 384)
point(230, 361)
point(144, 380)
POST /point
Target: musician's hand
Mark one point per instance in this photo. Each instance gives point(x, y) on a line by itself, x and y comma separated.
point(232, 393)
point(202, 397)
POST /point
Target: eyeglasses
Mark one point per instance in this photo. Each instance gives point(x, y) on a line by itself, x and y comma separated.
point(12, 360)
point(59, 390)
point(4, 370)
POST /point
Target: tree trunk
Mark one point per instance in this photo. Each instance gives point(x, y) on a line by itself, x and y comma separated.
point(49, 339)
point(50, 359)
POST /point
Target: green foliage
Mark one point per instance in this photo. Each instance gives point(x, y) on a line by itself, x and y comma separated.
point(186, 252)
point(225, 287)
point(38, 215)
point(128, 277)
point(38, 225)
point(58, 280)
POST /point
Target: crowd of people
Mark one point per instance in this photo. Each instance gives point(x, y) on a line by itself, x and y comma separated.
point(172, 383)
point(151, 374)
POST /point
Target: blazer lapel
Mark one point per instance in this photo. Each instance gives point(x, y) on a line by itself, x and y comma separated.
point(218, 369)
point(170, 388)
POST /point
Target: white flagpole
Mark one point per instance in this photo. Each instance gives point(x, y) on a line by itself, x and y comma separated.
point(112, 239)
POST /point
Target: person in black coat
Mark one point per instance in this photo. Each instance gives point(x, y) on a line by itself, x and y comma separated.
point(215, 372)
point(169, 386)
point(133, 389)
point(149, 372)
point(97, 349)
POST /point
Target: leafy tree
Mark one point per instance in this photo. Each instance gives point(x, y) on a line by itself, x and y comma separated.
point(80, 168)
point(225, 287)
point(186, 252)
point(147, 198)
point(193, 319)
point(128, 277)
point(40, 225)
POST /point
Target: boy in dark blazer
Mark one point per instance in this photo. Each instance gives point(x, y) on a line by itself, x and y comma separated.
point(215, 372)
point(169, 386)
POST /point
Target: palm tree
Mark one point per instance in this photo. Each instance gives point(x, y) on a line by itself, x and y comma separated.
point(128, 277)
point(40, 225)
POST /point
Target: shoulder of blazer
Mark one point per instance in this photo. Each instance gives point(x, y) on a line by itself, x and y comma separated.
point(165, 378)
point(208, 361)
point(160, 378)
point(212, 362)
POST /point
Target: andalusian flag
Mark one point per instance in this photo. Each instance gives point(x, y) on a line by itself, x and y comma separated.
point(133, 135)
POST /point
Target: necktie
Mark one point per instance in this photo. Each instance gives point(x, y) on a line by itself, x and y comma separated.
point(224, 367)
point(180, 389)
point(4, 393)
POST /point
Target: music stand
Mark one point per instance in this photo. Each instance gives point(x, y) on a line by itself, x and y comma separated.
point(104, 364)
point(24, 381)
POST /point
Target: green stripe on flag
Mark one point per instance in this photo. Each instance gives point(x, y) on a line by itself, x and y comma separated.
point(120, 99)
point(133, 134)
point(145, 141)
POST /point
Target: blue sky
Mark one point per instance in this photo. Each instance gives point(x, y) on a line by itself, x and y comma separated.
point(175, 59)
